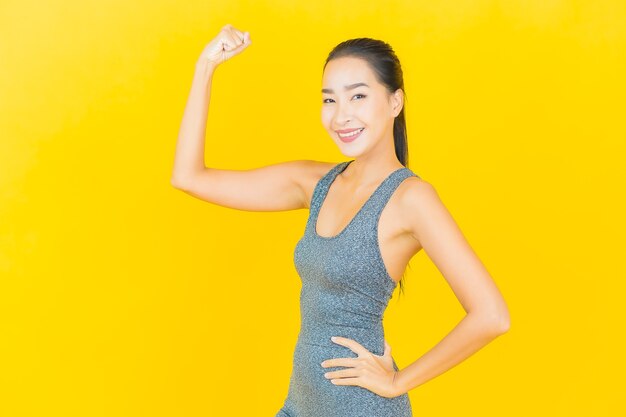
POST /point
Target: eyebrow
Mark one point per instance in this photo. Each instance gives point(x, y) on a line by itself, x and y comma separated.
point(345, 87)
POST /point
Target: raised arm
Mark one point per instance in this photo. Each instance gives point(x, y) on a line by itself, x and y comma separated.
point(282, 186)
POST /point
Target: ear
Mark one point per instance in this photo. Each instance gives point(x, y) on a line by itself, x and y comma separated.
point(397, 101)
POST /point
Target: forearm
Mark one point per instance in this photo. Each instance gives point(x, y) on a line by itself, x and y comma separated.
point(473, 332)
point(189, 157)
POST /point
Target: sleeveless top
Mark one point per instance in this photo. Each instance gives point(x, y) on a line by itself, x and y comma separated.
point(345, 284)
point(345, 291)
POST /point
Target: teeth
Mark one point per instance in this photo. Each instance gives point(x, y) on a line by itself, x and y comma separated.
point(347, 135)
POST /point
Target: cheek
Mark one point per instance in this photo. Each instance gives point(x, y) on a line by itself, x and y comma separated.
point(326, 117)
point(371, 113)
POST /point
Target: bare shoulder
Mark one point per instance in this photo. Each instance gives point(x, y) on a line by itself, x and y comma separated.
point(414, 190)
point(419, 203)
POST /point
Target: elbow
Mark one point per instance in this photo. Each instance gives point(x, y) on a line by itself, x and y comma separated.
point(185, 180)
point(494, 324)
point(504, 324)
point(177, 183)
point(501, 323)
point(174, 182)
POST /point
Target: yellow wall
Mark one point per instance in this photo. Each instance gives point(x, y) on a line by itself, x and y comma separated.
point(120, 295)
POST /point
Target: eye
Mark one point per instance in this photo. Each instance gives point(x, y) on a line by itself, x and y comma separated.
point(325, 100)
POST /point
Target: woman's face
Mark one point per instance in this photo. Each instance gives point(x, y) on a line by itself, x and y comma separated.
point(352, 98)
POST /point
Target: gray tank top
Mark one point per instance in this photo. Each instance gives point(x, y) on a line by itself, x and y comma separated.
point(345, 284)
point(345, 291)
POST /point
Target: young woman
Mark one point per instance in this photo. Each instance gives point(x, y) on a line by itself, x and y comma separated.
point(368, 216)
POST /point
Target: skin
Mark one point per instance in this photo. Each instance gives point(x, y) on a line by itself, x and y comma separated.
point(415, 218)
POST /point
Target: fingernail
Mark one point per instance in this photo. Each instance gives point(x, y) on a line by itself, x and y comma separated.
point(334, 339)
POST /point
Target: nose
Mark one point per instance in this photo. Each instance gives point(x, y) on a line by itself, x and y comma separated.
point(342, 117)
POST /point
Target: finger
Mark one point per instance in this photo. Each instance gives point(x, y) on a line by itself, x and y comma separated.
point(345, 381)
point(226, 37)
point(353, 345)
point(343, 373)
point(330, 363)
point(234, 37)
point(229, 42)
point(239, 34)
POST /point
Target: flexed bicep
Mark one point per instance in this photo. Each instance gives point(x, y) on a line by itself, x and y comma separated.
point(278, 187)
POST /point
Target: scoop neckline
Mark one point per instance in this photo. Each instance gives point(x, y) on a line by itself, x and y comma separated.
point(358, 213)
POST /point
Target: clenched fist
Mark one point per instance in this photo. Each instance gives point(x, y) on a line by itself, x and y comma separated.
point(228, 43)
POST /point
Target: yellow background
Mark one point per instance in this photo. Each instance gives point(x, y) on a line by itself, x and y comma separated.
point(122, 296)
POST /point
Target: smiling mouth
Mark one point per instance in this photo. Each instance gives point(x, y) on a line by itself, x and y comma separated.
point(351, 134)
point(349, 137)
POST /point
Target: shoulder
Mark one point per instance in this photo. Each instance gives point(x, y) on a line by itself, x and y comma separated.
point(419, 204)
point(414, 190)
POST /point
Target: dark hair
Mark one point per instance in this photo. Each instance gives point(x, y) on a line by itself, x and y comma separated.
point(383, 61)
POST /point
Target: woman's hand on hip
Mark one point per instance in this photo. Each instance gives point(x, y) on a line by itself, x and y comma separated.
point(373, 372)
